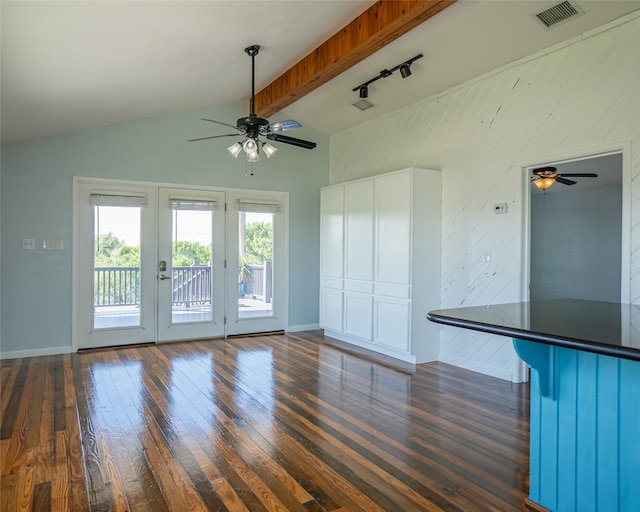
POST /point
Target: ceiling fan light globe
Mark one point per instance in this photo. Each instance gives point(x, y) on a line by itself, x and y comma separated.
point(253, 156)
point(544, 183)
point(250, 146)
point(235, 149)
point(269, 149)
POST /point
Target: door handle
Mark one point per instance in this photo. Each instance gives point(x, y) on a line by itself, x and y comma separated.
point(162, 278)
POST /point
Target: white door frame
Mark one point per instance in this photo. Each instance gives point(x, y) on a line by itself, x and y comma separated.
point(281, 286)
point(279, 318)
point(83, 332)
point(167, 330)
point(525, 185)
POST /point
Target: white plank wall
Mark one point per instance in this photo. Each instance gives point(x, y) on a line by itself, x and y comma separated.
point(575, 98)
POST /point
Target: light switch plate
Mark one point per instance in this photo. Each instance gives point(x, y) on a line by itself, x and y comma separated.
point(28, 244)
point(53, 245)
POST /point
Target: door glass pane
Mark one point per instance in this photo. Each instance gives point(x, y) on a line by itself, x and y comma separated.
point(116, 266)
point(192, 270)
point(255, 265)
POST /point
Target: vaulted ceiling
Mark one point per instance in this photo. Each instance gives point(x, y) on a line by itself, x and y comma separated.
point(71, 65)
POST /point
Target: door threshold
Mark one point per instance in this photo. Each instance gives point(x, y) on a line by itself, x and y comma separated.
point(112, 347)
point(254, 334)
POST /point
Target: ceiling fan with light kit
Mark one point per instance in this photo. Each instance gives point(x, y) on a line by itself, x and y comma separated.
point(253, 127)
point(544, 177)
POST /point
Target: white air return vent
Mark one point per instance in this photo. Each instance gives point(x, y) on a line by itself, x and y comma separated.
point(559, 13)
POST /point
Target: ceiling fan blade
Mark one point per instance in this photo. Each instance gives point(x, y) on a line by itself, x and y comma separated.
point(214, 137)
point(291, 140)
point(565, 181)
point(581, 174)
point(281, 126)
point(220, 122)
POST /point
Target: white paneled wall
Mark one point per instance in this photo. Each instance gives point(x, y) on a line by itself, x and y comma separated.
point(574, 99)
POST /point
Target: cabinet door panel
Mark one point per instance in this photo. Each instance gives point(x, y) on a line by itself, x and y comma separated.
point(358, 215)
point(392, 323)
point(393, 228)
point(331, 227)
point(331, 309)
point(357, 315)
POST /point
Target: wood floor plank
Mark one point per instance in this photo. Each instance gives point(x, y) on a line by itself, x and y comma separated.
point(280, 423)
point(8, 379)
point(61, 478)
point(18, 412)
point(12, 395)
point(77, 483)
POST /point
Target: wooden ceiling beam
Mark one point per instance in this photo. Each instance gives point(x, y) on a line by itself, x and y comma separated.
point(382, 23)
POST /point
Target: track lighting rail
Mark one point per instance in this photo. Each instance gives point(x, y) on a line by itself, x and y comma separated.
point(405, 71)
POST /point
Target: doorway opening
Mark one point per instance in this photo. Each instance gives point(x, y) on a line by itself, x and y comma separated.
point(577, 234)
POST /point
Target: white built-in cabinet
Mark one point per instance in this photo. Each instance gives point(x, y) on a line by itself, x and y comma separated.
point(380, 263)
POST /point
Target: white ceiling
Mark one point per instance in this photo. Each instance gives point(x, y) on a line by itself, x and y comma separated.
point(71, 65)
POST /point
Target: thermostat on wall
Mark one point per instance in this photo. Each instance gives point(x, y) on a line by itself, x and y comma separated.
point(500, 208)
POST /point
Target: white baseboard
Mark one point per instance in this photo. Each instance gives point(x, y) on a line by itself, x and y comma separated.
point(374, 347)
point(49, 351)
point(492, 371)
point(299, 328)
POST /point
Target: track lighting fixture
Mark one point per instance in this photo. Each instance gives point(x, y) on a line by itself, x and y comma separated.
point(405, 71)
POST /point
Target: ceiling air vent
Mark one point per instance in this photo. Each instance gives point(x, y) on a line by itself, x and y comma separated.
point(363, 104)
point(558, 13)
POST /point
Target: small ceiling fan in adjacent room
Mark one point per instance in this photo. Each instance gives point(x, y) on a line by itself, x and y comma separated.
point(545, 177)
point(253, 127)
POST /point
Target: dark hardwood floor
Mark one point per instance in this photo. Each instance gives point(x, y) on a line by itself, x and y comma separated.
point(267, 423)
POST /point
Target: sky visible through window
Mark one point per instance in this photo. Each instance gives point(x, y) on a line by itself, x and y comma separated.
point(118, 220)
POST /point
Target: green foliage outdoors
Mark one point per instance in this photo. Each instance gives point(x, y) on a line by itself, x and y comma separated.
point(110, 251)
point(258, 243)
point(185, 253)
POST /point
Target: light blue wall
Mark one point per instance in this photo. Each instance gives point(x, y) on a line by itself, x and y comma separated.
point(37, 194)
point(576, 248)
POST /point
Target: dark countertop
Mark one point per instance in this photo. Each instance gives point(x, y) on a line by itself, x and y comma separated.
point(606, 328)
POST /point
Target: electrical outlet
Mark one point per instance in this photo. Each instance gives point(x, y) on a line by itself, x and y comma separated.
point(500, 208)
point(28, 244)
point(53, 245)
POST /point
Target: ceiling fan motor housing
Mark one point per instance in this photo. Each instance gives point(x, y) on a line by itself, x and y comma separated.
point(252, 125)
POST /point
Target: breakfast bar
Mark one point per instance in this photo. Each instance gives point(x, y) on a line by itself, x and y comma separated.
point(585, 397)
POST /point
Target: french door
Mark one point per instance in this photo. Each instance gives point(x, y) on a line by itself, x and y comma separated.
point(191, 258)
point(115, 277)
point(156, 264)
point(256, 236)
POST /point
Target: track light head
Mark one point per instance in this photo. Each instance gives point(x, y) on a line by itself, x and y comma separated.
point(405, 70)
point(364, 91)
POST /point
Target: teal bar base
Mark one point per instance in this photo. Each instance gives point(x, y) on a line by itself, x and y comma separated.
point(585, 429)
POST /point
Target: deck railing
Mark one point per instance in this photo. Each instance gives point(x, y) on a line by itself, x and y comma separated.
point(116, 286)
point(120, 286)
point(259, 285)
point(191, 285)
